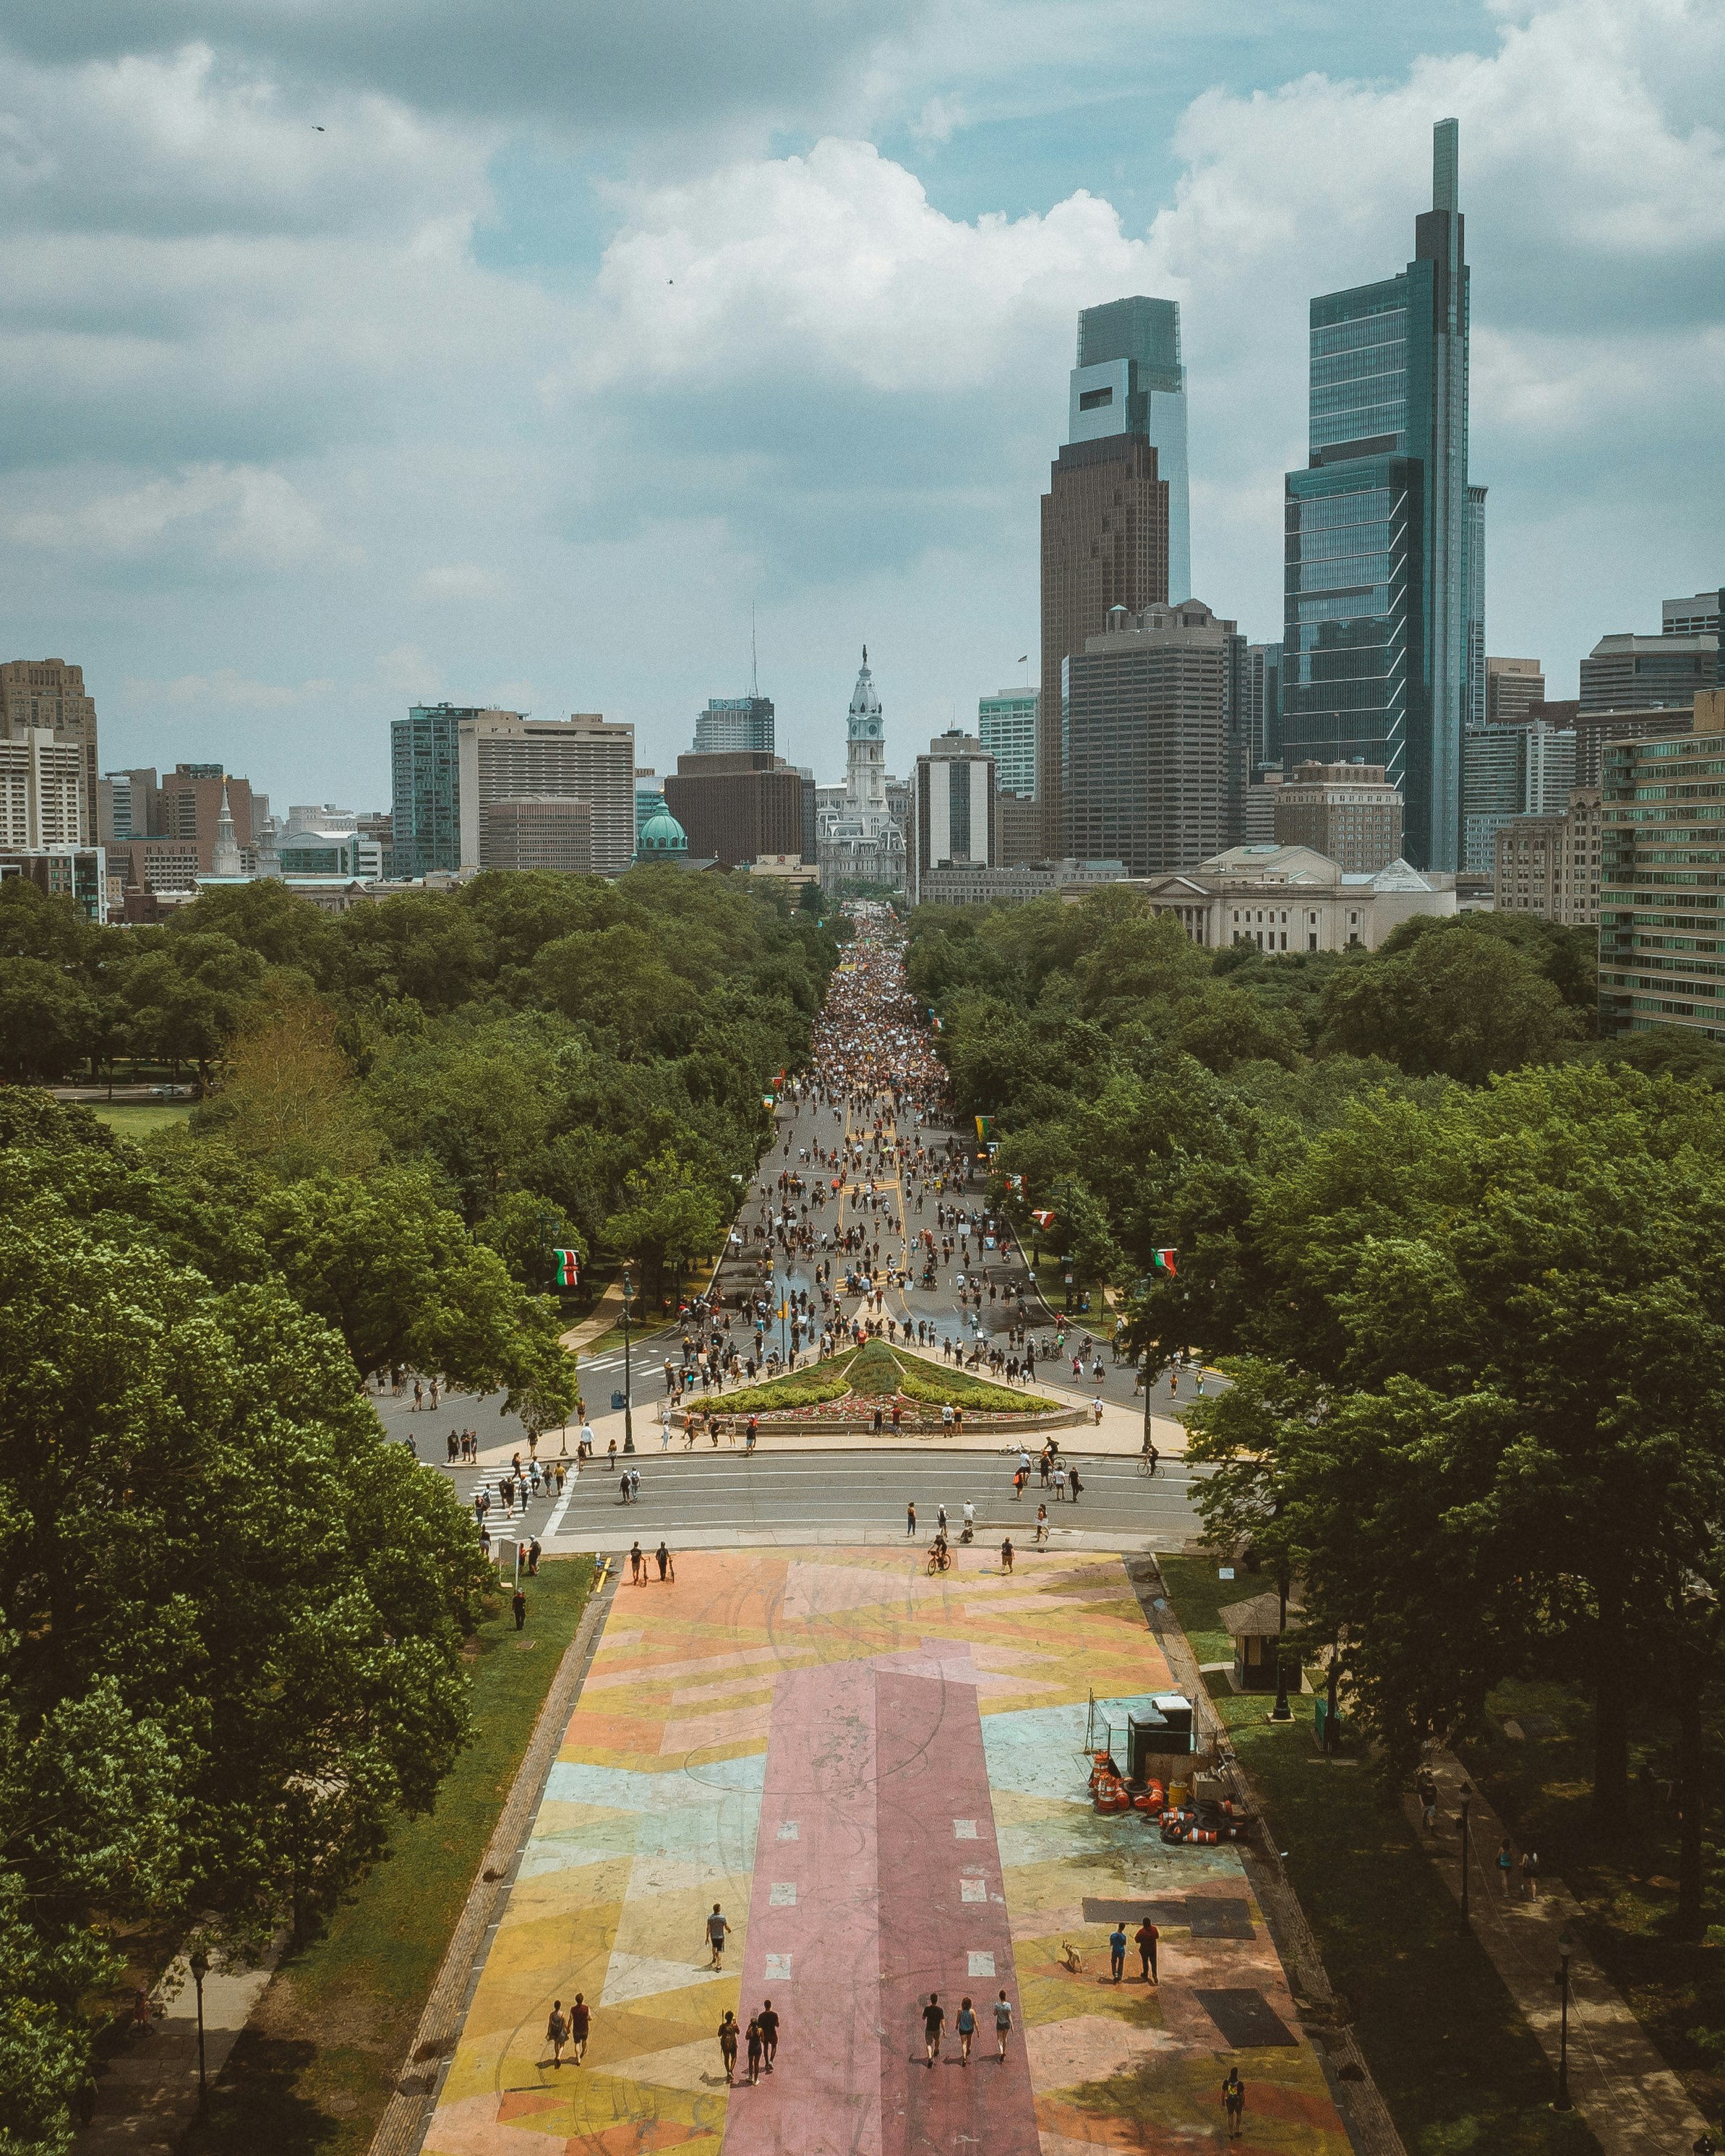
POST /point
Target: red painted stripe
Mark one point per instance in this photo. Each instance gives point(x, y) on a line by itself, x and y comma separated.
point(823, 2097)
point(933, 1772)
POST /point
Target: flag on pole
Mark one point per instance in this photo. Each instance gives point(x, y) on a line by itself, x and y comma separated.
point(566, 1264)
point(1164, 1261)
point(985, 1127)
point(1015, 1184)
point(769, 1100)
point(1043, 1220)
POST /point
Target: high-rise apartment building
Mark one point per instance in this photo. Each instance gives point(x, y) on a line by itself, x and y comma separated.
point(1115, 515)
point(506, 755)
point(1509, 771)
point(128, 805)
point(1152, 768)
point(1376, 626)
point(47, 692)
point(1006, 727)
point(449, 762)
point(537, 831)
point(1511, 685)
point(1662, 906)
point(735, 725)
point(1548, 865)
point(952, 809)
point(1347, 812)
point(1473, 700)
point(42, 781)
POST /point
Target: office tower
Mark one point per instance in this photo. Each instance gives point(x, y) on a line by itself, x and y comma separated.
point(1375, 631)
point(507, 756)
point(1596, 728)
point(424, 803)
point(1347, 812)
point(537, 831)
point(735, 725)
point(1658, 938)
point(1473, 700)
point(649, 797)
point(1263, 703)
point(736, 806)
point(1151, 721)
point(1018, 828)
point(128, 805)
point(1649, 673)
point(860, 840)
point(1111, 519)
point(1511, 686)
point(191, 796)
point(1006, 727)
point(47, 692)
point(952, 820)
point(810, 851)
point(1692, 617)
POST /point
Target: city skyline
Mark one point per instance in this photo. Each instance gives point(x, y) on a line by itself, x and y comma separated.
point(268, 508)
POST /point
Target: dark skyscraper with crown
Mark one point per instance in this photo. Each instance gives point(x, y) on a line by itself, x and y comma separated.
point(1115, 530)
point(1378, 594)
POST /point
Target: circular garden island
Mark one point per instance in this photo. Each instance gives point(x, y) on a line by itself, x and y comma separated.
point(893, 1392)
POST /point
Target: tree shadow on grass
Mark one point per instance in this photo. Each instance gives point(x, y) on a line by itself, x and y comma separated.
point(260, 2106)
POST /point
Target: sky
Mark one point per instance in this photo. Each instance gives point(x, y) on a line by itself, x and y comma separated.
point(355, 353)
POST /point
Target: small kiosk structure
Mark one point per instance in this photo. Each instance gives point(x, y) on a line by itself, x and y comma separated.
point(1254, 1627)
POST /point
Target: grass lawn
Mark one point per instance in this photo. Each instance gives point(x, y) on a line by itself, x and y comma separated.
point(1541, 1783)
point(136, 1119)
point(1456, 2064)
point(316, 2068)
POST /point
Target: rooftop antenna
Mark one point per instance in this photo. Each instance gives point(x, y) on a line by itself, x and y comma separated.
point(754, 662)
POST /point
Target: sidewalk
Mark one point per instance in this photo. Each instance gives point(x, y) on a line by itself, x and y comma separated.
point(1634, 2102)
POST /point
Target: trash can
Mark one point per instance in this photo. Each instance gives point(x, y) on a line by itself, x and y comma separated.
point(616, 1400)
point(1320, 1716)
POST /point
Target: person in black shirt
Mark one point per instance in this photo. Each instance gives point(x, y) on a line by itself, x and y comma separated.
point(767, 2022)
point(934, 2020)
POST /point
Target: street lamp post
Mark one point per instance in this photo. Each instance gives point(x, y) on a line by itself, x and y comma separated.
point(1282, 1711)
point(199, 1965)
point(629, 1424)
point(1467, 1799)
point(1566, 1947)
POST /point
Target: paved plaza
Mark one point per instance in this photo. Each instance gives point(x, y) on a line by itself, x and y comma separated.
point(880, 1777)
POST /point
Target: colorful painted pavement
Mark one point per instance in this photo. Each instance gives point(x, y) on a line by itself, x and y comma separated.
point(880, 1777)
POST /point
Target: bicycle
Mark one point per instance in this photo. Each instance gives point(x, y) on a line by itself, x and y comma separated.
point(1148, 1466)
point(939, 1560)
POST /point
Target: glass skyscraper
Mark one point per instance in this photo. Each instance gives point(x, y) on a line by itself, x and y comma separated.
point(1129, 380)
point(734, 725)
point(1006, 726)
point(425, 788)
point(1379, 598)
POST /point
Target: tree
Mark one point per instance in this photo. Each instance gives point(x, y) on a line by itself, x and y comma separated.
point(287, 1099)
point(524, 1229)
point(47, 1021)
point(1457, 1000)
point(402, 1282)
point(666, 1218)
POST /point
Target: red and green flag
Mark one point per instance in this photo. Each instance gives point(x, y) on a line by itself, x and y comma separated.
point(1043, 1220)
point(567, 1267)
point(1163, 1261)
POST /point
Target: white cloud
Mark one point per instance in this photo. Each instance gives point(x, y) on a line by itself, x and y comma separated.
point(461, 580)
point(839, 256)
point(227, 690)
point(223, 514)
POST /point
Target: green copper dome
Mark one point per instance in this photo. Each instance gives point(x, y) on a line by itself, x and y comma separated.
point(662, 836)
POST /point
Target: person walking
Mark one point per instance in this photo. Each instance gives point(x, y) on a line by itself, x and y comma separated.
point(661, 1557)
point(634, 1563)
point(1006, 1555)
point(967, 2029)
point(1530, 1874)
point(557, 2032)
point(580, 2021)
point(1144, 1938)
point(728, 2035)
point(1505, 1867)
point(910, 1519)
point(1117, 1951)
point(1003, 2024)
point(752, 2041)
point(1233, 2102)
point(1427, 1803)
point(519, 1603)
point(716, 1928)
point(767, 2021)
point(934, 2020)
point(1042, 1523)
point(1060, 1481)
point(1073, 1485)
point(534, 1553)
